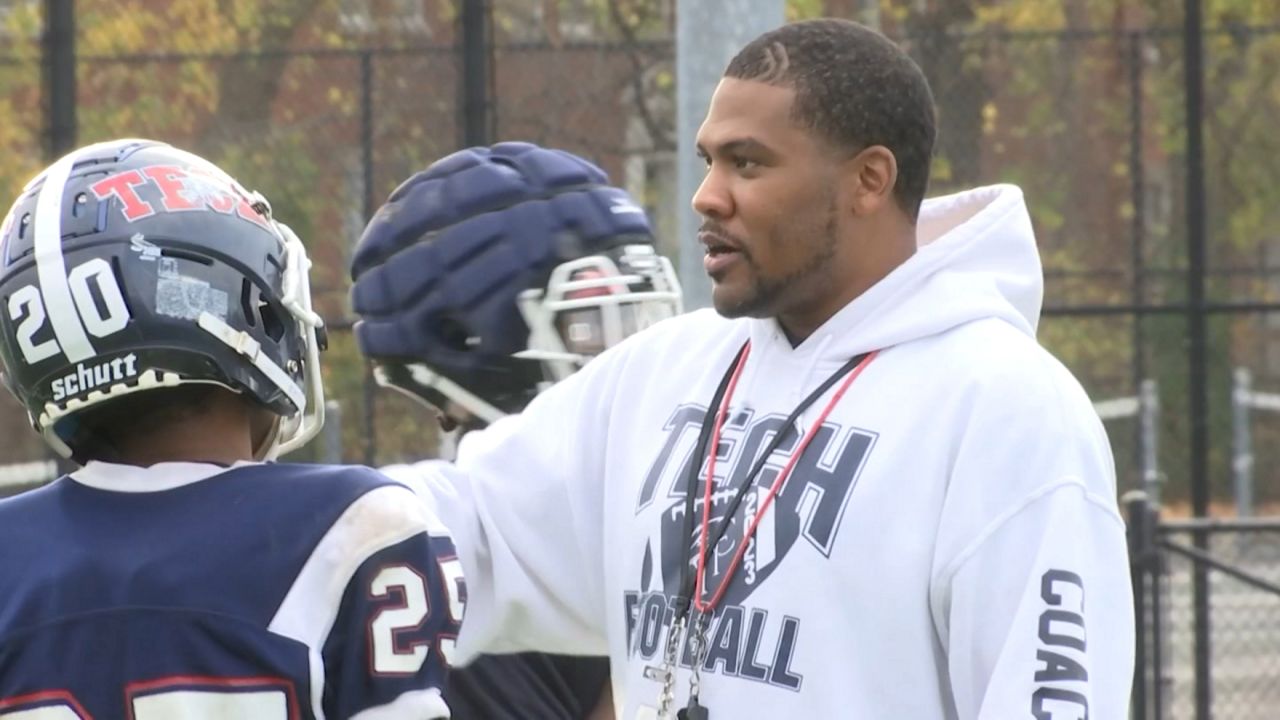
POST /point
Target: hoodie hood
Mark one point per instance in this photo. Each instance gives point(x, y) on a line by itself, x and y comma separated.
point(976, 259)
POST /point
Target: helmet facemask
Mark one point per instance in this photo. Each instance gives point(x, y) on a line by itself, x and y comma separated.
point(593, 303)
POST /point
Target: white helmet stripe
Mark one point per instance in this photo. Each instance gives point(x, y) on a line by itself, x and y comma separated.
point(51, 267)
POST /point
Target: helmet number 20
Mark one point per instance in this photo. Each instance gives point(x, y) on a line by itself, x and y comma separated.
point(27, 309)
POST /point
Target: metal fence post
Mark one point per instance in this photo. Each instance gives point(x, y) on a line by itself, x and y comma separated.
point(474, 90)
point(1242, 441)
point(1149, 436)
point(1197, 339)
point(1138, 509)
point(1137, 236)
point(59, 50)
point(1155, 597)
point(369, 388)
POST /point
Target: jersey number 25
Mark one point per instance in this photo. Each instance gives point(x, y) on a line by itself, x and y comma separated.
point(390, 655)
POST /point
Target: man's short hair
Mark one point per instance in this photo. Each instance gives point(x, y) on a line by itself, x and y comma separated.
point(855, 88)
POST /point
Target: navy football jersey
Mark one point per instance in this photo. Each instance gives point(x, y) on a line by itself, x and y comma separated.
point(527, 685)
point(191, 592)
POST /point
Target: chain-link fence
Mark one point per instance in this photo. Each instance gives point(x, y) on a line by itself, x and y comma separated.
point(1089, 123)
point(325, 135)
point(1238, 560)
point(1245, 622)
point(1089, 117)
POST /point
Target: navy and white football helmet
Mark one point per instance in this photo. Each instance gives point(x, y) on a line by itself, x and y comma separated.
point(130, 265)
point(498, 271)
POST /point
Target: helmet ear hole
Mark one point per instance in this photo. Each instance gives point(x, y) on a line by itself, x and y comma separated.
point(258, 311)
point(272, 324)
point(246, 303)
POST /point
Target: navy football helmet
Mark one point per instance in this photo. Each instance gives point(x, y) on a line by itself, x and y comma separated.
point(130, 265)
point(500, 270)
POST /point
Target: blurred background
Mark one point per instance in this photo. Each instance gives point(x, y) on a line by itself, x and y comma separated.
point(1143, 132)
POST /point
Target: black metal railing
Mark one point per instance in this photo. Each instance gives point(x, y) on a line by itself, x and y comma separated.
point(1233, 671)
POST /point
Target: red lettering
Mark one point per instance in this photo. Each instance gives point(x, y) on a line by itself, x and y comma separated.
point(169, 179)
point(121, 186)
point(217, 195)
point(221, 203)
point(180, 189)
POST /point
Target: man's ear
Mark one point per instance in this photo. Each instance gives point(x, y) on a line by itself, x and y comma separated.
point(869, 178)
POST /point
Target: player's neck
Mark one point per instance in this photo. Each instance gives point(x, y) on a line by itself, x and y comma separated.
point(219, 435)
point(183, 450)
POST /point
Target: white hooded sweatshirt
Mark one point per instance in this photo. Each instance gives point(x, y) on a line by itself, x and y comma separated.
point(948, 545)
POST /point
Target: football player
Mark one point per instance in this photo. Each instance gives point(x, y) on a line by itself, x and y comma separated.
point(534, 264)
point(156, 323)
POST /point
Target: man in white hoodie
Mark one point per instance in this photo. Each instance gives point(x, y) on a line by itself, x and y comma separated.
point(857, 489)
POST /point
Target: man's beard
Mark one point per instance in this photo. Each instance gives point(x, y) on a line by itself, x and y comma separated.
point(767, 295)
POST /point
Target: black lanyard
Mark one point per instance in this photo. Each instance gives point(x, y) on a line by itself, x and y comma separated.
point(687, 578)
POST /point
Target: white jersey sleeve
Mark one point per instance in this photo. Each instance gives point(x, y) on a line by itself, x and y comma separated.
point(1032, 598)
point(524, 504)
